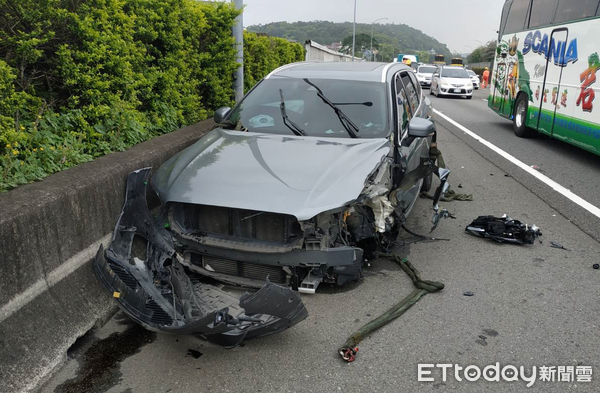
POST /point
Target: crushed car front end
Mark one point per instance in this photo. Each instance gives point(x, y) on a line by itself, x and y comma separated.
point(149, 280)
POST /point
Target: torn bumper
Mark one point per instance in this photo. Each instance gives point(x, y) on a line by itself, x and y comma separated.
point(159, 293)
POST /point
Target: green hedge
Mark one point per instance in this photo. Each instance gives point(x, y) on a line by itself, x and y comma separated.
point(82, 78)
point(262, 54)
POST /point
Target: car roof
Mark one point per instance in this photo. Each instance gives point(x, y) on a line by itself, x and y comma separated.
point(358, 70)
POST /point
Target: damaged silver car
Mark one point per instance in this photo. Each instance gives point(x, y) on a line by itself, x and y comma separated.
point(307, 177)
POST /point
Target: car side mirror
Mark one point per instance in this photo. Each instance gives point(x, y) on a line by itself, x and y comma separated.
point(221, 114)
point(420, 128)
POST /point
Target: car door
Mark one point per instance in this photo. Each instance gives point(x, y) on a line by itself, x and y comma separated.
point(408, 150)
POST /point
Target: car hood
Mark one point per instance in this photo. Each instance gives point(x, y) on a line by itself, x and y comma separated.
point(300, 176)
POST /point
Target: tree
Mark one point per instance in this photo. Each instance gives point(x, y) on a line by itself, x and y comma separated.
point(483, 54)
point(363, 42)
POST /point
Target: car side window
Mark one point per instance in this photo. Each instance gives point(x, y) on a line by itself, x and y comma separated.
point(411, 93)
point(417, 87)
point(402, 105)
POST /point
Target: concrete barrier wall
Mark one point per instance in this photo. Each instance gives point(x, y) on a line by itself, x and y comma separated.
point(321, 53)
point(49, 232)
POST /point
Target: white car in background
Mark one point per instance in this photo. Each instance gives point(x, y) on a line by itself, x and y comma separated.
point(424, 74)
point(451, 81)
point(474, 79)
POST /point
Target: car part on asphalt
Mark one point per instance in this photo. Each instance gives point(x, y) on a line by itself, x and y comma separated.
point(468, 293)
point(596, 266)
point(554, 244)
point(503, 230)
point(153, 287)
point(349, 349)
point(450, 196)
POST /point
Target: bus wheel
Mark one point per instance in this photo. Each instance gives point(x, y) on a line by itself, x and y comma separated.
point(520, 114)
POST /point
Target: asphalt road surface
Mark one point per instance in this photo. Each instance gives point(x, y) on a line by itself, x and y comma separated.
point(531, 305)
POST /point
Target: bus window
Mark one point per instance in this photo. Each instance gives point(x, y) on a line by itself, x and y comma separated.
point(569, 10)
point(516, 16)
point(503, 19)
point(542, 13)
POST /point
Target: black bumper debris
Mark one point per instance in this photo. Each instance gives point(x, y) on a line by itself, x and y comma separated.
point(159, 293)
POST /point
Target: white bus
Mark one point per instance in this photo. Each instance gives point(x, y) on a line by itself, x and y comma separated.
point(544, 72)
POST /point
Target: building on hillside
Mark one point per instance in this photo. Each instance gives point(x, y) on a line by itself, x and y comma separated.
point(318, 52)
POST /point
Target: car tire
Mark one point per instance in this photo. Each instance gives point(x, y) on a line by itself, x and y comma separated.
point(519, 117)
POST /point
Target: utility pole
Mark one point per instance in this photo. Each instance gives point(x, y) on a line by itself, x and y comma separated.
point(372, 23)
point(354, 31)
point(238, 34)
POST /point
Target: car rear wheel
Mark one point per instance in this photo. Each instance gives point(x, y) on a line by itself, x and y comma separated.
point(519, 117)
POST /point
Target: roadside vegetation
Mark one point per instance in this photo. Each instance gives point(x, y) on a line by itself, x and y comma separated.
point(80, 79)
point(388, 39)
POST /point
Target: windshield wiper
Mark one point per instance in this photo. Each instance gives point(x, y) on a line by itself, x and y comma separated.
point(346, 122)
point(366, 103)
point(286, 120)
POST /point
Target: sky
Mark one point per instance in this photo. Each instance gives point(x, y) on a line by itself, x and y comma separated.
point(462, 25)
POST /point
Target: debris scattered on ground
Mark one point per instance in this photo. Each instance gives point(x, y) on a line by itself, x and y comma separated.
point(507, 175)
point(450, 196)
point(503, 230)
point(444, 213)
point(554, 244)
point(596, 266)
point(193, 353)
point(459, 185)
point(491, 174)
point(468, 293)
point(349, 350)
point(421, 238)
point(535, 167)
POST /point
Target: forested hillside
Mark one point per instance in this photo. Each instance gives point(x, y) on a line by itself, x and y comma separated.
point(389, 39)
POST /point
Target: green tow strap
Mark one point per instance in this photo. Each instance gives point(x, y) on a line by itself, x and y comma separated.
point(349, 350)
point(450, 196)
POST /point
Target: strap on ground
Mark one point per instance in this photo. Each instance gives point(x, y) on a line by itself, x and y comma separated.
point(450, 195)
point(349, 350)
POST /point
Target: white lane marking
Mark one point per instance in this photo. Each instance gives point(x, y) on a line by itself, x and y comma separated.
point(543, 178)
point(54, 277)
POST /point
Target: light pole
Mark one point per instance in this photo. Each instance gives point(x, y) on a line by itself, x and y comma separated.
point(354, 31)
point(238, 33)
point(372, 23)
